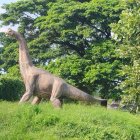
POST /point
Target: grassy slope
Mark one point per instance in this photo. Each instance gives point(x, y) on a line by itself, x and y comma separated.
point(75, 122)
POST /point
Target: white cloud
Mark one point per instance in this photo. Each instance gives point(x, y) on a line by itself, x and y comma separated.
point(1, 10)
point(4, 28)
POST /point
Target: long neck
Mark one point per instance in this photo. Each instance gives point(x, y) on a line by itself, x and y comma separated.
point(25, 60)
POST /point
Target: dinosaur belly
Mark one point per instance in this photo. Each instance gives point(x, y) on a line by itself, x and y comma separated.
point(43, 91)
point(44, 95)
point(43, 87)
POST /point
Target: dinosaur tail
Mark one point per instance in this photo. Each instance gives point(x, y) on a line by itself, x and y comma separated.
point(77, 94)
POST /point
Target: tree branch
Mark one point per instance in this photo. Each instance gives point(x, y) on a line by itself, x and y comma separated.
point(71, 46)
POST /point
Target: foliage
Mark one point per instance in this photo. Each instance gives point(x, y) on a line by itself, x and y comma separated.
point(127, 32)
point(103, 74)
point(96, 73)
point(72, 69)
point(14, 72)
point(75, 26)
point(71, 122)
point(59, 27)
point(11, 88)
point(8, 53)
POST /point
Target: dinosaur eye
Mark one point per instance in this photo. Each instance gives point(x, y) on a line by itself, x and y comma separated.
point(9, 30)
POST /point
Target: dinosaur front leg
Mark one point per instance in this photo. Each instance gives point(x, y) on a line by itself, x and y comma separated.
point(26, 96)
point(36, 100)
point(30, 85)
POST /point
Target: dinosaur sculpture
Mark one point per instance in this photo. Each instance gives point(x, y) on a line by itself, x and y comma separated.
point(42, 84)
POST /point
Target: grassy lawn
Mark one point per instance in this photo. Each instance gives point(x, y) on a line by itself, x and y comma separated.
point(72, 122)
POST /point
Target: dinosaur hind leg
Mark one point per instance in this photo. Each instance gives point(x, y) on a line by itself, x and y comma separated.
point(55, 96)
point(36, 100)
point(56, 102)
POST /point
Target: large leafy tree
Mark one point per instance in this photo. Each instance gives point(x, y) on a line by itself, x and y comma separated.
point(75, 26)
point(127, 33)
point(96, 73)
point(62, 27)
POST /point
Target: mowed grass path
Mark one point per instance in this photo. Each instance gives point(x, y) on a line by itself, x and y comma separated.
point(72, 122)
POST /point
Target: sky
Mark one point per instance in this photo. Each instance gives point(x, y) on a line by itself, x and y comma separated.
point(6, 1)
point(1, 10)
point(4, 28)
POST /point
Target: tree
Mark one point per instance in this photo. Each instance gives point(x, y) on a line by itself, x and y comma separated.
point(58, 30)
point(72, 68)
point(127, 32)
point(97, 73)
point(63, 27)
point(76, 26)
point(103, 74)
point(21, 14)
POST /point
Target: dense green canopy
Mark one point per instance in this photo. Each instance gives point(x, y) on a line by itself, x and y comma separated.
point(127, 33)
point(64, 27)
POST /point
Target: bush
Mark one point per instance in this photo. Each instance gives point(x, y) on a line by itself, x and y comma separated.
point(10, 88)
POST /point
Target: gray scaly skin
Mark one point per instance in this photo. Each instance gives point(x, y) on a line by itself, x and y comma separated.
point(42, 84)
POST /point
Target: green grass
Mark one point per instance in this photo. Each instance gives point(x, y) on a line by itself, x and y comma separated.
point(72, 122)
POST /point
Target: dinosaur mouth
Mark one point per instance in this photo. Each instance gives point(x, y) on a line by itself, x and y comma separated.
point(3, 31)
point(6, 33)
point(9, 32)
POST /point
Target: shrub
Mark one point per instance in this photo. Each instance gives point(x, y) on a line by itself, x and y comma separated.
point(11, 88)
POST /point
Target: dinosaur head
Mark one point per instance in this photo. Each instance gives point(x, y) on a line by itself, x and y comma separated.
point(10, 32)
